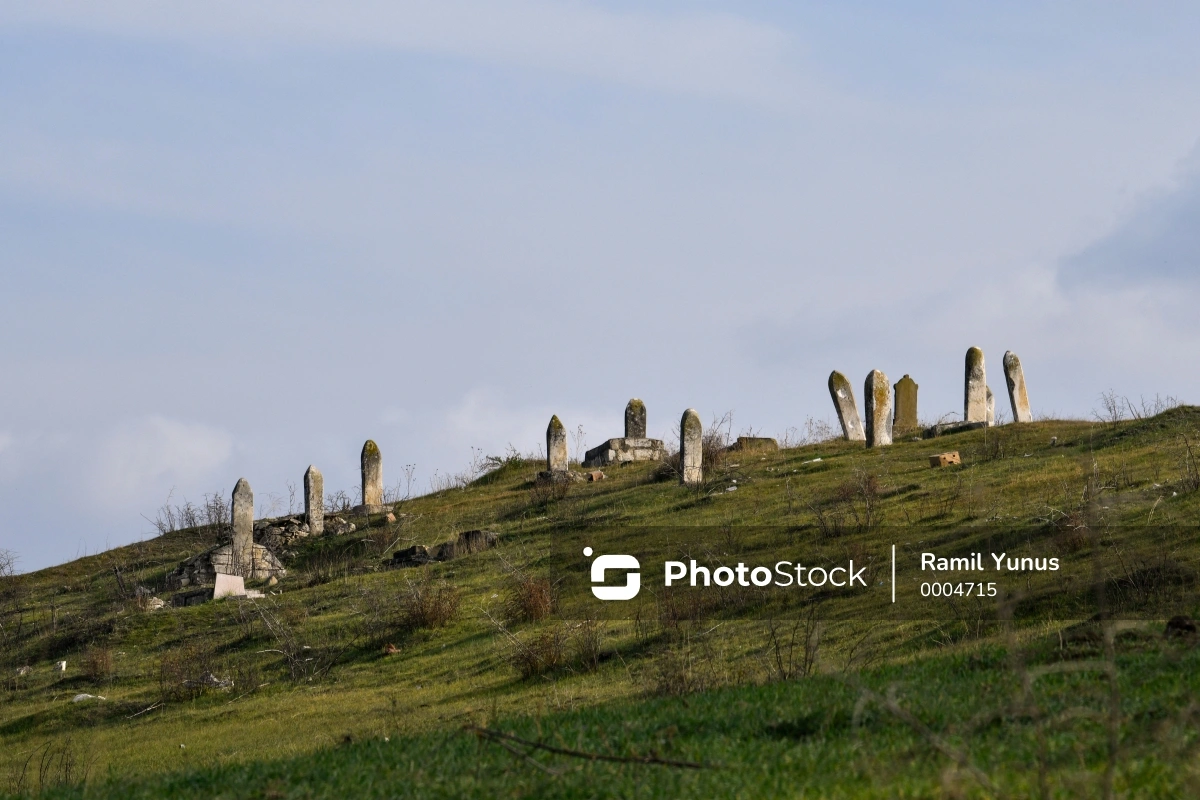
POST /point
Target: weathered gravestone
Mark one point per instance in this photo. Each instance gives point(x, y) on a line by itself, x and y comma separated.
point(314, 500)
point(556, 446)
point(635, 419)
point(372, 475)
point(847, 410)
point(991, 407)
point(878, 394)
point(691, 448)
point(633, 446)
point(1014, 375)
point(905, 418)
point(975, 388)
point(243, 529)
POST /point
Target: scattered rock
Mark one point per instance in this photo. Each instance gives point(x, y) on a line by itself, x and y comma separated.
point(390, 649)
point(154, 604)
point(61, 666)
point(273, 581)
point(751, 443)
point(945, 459)
point(1180, 626)
point(1053, 441)
point(23, 671)
point(391, 518)
point(465, 543)
point(595, 475)
point(339, 527)
point(80, 698)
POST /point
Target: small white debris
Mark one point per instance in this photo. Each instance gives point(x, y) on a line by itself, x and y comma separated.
point(79, 698)
point(731, 489)
point(61, 666)
point(810, 461)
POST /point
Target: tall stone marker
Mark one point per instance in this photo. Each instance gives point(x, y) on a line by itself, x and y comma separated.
point(905, 418)
point(243, 528)
point(847, 409)
point(314, 501)
point(991, 408)
point(372, 474)
point(556, 446)
point(635, 419)
point(975, 388)
point(1014, 375)
point(878, 394)
point(691, 448)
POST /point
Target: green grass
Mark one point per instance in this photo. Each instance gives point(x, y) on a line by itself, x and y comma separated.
point(671, 687)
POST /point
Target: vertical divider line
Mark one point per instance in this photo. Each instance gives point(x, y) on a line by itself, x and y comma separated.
point(893, 573)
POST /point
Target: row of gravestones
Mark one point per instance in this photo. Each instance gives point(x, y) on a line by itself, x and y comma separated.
point(979, 405)
point(314, 502)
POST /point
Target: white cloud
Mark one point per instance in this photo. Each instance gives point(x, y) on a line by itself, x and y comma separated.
point(696, 52)
point(146, 455)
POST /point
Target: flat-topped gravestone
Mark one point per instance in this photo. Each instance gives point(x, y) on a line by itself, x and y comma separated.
point(991, 407)
point(635, 419)
point(624, 451)
point(314, 500)
point(691, 448)
point(905, 417)
point(847, 409)
point(229, 586)
point(371, 462)
point(556, 446)
point(975, 388)
point(1014, 376)
point(242, 554)
point(878, 394)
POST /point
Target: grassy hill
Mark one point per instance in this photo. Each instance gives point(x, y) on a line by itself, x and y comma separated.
point(354, 679)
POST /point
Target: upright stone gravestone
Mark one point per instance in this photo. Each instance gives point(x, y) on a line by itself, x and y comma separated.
point(975, 388)
point(372, 475)
point(691, 448)
point(847, 409)
point(243, 529)
point(991, 408)
point(1014, 375)
point(905, 418)
point(635, 419)
point(878, 394)
point(314, 501)
point(556, 446)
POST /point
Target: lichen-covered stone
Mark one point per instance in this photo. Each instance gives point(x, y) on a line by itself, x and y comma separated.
point(202, 569)
point(635, 419)
point(975, 388)
point(847, 409)
point(1014, 376)
point(314, 500)
point(904, 418)
point(625, 451)
point(556, 446)
point(691, 448)
point(878, 393)
point(754, 444)
point(372, 475)
point(991, 408)
point(243, 529)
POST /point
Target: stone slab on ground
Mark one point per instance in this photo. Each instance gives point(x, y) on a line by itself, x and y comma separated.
point(625, 451)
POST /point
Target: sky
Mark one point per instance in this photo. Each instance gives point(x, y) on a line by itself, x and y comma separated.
point(239, 238)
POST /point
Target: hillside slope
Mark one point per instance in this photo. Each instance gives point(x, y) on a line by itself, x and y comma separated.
point(347, 658)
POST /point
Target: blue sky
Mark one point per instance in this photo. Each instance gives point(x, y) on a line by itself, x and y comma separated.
point(240, 238)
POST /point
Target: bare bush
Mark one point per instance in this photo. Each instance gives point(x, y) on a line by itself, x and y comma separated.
point(428, 604)
point(182, 672)
point(97, 664)
point(530, 598)
point(540, 652)
point(586, 637)
point(547, 489)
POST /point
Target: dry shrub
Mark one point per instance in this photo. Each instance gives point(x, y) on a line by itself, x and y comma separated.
point(586, 638)
point(539, 653)
point(97, 664)
point(530, 599)
point(548, 488)
point(428, 604)
point(182, 672)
